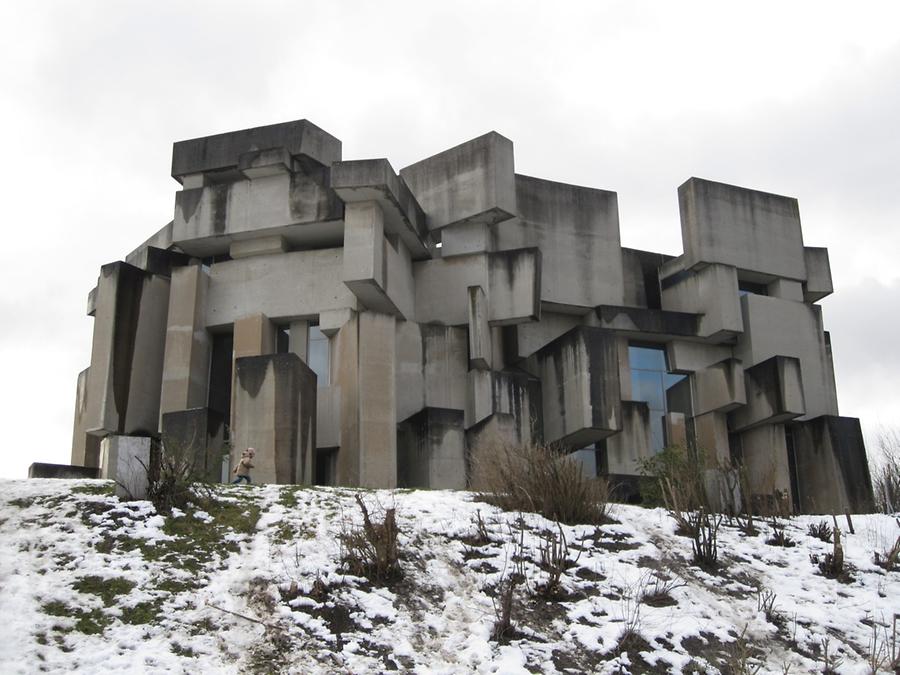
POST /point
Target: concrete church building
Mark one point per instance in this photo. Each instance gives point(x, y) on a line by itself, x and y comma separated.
point(366, 327)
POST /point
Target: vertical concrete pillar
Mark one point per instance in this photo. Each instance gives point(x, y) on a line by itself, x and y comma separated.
point(764, 450)
point(299, 339)
point(126, 460)
point(479, 330)
point(125, 377)
point(186, 363)
point(346, 377)
point(377, 401)
point(85, 447)
point(363, 245)
point(253, 336)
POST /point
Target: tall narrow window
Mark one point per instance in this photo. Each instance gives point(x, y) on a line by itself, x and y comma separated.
point(652, 383)
point(319, 357)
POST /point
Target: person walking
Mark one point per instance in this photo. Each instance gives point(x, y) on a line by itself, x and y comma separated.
point(242, 470)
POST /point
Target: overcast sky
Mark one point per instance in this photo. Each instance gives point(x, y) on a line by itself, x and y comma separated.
point(801, 99)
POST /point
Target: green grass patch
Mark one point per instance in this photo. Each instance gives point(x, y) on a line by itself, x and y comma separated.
point(22, 502)
point(141, 613)
point(105, 487)
point(106, 589)
point(92, 622)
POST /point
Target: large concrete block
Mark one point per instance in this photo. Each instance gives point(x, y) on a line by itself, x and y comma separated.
point(711, 292)
point(774, 393)
point(627, 449)
point(431, 449)
point(472, 182)
point(640, 270)
point(374, 180)
point(576, 230)
point(765, 459)
point(298, 206)
point(126, 460)
point(222, 152)
point(750, 230)
point(65, 471)
point(125, 377)
point(719, 387)
point(271, 245)
point(187, 352)
point(818, 274)
point(275, 412)
point(832, 467)
point(161, 240)
point(431, 367)
point(580, 383)
point(197, 435)
point(512, 392)
point(776, 327)
point(346, 376)
point(686, 357)
point(479, 331)
point(296, 285)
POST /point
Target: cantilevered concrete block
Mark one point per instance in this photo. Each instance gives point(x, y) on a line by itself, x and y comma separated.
point(254, 335)
point(431, 449)
point(719, 387)
point(186, 362)
point(432, 362)
point(275, 412)
point(222, 152)
point(255, 164)
point(711, 292)
point(123, 383)
point(245, 248)
point(479, 331)
point(197, 435)
point(473, 182)
point(580, 380)
point(374, 180)
point(832, 469)
point(774, 392)
point(126, 460)
point(747, 229)
point(576, 229)
point(818, 274)
point(627, 449)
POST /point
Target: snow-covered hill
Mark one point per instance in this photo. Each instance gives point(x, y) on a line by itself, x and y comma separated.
point(255, 583)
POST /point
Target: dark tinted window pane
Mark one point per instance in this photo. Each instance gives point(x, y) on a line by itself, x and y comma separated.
point(657, 435)
point(647, 358)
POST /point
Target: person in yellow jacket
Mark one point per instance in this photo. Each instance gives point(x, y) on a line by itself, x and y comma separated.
point(242, 470)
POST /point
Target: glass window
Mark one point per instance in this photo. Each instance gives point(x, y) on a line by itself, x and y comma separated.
point(652, 383)
point(319, 356)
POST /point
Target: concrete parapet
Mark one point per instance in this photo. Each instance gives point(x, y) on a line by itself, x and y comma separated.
point(271, 245)
point(66, 471)
point(222, 152)
point(747, 229)
point(774, 393)
point(431, 450)
point(275, 412)
point(639, 321)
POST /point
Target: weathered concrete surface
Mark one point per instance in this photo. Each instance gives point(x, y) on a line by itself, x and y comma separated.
point(186, 361)
point(377, 401)
point(765, 458)
point(818, 274)
point(774, 393)
point(626, 450)
point(431, 450)
point(472, 182)
point(479, 332)
point(576, 229)
point(431, 368)
point(763, 233)
point(245, 248)
point(832, 469)
point(719, 387)
point(126, 460)
point(85, 446)
point(66, 471)
point(124, 380)
point(275, 412)
point(712, 292)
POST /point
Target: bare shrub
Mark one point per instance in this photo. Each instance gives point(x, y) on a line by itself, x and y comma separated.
point(371, 550)
point(779, 537)
point(699, 524)
point(537, 478)
point(658, 589)
point(765, 603)
point(554, 560)
point(886, 474)
point(832, 564)
point(883, 647)
point(821, 530)
point(504, 595)
point(682, 468)
point(176, 477)
point(742, 658)
point(890, 559)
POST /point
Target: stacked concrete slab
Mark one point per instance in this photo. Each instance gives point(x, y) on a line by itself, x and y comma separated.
point(363, 326)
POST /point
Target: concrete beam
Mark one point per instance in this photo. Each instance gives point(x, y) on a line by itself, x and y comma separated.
point(245, 248)
point(479, 331)
point(774, 394)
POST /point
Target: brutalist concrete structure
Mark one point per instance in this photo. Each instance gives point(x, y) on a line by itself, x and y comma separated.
point(364, 326)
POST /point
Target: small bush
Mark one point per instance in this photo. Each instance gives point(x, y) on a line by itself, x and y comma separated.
point(371, 550)
point(821, 530)
point(175, 477)
point(680, 467)
point(886, 475)
point(539, 479)
point(779, 537)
